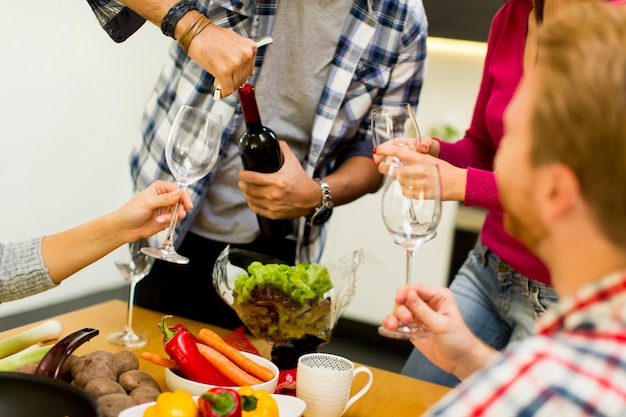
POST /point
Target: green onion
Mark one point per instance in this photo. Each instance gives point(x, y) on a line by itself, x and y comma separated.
point(48, 330)
point(32, 354)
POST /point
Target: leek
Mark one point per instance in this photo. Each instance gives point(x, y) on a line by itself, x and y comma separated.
point(48, 330)
point(32, 354)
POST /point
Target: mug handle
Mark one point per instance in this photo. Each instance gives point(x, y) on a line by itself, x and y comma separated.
point(360, 369)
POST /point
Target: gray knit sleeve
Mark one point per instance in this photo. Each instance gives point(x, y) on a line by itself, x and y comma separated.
point(22, 271)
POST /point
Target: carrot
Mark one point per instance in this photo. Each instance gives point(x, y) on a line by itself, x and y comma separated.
point(212, 339)
point(227, 367)
point(159, 360)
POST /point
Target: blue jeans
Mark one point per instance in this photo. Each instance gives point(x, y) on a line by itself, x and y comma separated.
point(498, 304)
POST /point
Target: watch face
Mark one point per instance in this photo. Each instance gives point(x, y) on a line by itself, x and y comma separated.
point(321, 216)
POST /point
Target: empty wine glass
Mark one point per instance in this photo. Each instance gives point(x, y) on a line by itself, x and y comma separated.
point(411, 209)
point(133, 265)
point(392, 121)
point(191, 152)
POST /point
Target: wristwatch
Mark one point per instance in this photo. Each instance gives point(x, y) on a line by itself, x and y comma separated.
point(322, 213)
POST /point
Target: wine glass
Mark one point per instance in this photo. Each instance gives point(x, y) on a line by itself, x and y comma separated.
point(191, 152)
point(411, 209)
point(133, 265)
point(392, 121)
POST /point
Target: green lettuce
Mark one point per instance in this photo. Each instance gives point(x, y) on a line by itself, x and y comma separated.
point(304, 283)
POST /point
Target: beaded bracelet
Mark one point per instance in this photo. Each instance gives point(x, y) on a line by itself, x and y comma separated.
point(174, 15)
point(192, 31)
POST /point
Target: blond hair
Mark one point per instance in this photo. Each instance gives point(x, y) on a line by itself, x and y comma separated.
point(579, 118)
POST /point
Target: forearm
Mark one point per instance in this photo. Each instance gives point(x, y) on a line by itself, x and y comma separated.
point(475, 359)
point(355, 177)
point(68, 252)
point(482, 190)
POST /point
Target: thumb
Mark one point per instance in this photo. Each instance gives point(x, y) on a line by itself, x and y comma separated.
point(423, 313)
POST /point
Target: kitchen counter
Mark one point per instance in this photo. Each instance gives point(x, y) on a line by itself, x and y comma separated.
point(391, 394)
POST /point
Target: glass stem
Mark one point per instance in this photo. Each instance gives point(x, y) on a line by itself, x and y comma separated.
point(129, 311)
point(409, 265)
point(169, 240)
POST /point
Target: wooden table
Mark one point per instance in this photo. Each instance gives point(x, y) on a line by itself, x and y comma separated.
point(391, 394)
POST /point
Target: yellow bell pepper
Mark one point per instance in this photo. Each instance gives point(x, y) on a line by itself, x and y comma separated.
point(257, 403)
point(173, 404)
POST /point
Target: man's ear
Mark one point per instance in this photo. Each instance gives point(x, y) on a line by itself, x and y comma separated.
point(561, 193)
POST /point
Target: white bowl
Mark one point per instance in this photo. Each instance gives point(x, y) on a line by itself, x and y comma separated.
point(288, 406)
point(175, 381)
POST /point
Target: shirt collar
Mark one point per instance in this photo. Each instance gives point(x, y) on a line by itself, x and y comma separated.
point(599, 304)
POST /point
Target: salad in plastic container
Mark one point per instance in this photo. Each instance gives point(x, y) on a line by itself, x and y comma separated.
point(294, 308)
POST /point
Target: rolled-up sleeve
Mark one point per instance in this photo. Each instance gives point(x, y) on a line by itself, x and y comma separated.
point(117, 20)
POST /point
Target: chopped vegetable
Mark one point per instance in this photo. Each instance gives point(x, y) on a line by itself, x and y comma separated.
point(48, 330)
point(30, 355)
point(220, 402)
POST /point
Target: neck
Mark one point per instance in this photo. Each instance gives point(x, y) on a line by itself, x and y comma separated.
point(577, 256)
point(552, 7)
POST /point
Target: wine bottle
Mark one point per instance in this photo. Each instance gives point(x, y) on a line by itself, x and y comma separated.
point(260, 152)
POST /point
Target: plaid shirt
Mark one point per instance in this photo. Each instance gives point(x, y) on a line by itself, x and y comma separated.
point(379, 59)
point(574, 366)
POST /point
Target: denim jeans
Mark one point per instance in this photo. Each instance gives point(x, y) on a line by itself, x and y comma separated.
point(498, 304)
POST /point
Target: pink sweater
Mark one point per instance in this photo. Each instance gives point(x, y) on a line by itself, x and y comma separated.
point(502, 72)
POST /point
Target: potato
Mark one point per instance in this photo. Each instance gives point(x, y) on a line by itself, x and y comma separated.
point(132, 379)
point(98, 387)
point(126, 361)
point(29, 368)
point(113, 404)
point(92, 371)
point(145, 394)
point(66, 369)
point(101, 356)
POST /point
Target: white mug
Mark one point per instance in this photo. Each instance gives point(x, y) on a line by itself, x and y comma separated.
point(324, 381)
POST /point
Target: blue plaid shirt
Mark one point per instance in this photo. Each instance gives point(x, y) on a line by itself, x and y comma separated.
point(380, 59)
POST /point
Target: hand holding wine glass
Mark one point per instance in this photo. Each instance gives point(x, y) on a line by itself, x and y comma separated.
point(411, 209)
point(191, 152)
point(134, 266)
point(392, 121)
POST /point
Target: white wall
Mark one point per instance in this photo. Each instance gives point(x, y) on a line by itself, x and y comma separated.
point(70, 111)
point(452, 82)
point(70, 108)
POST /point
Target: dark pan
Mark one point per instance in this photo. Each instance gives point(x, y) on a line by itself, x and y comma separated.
point(42, 395)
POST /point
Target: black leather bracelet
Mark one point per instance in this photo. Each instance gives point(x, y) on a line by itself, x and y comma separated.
point(174, 15)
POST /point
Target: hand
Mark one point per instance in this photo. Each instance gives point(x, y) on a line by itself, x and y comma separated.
point(453, 179)
point(430, 146)
point(150, 211)
point(452, 346)
point(285, 194)
point(228, 56)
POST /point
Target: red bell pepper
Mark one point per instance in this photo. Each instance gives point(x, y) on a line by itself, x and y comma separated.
point(180, 345)
point(220, 402)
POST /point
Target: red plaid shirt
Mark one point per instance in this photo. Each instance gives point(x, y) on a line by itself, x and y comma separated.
point(574, 366)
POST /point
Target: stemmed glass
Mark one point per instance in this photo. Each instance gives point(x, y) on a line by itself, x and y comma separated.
point(392, 121)
point(411, 209)
point(133, 265)
point(191, 152)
